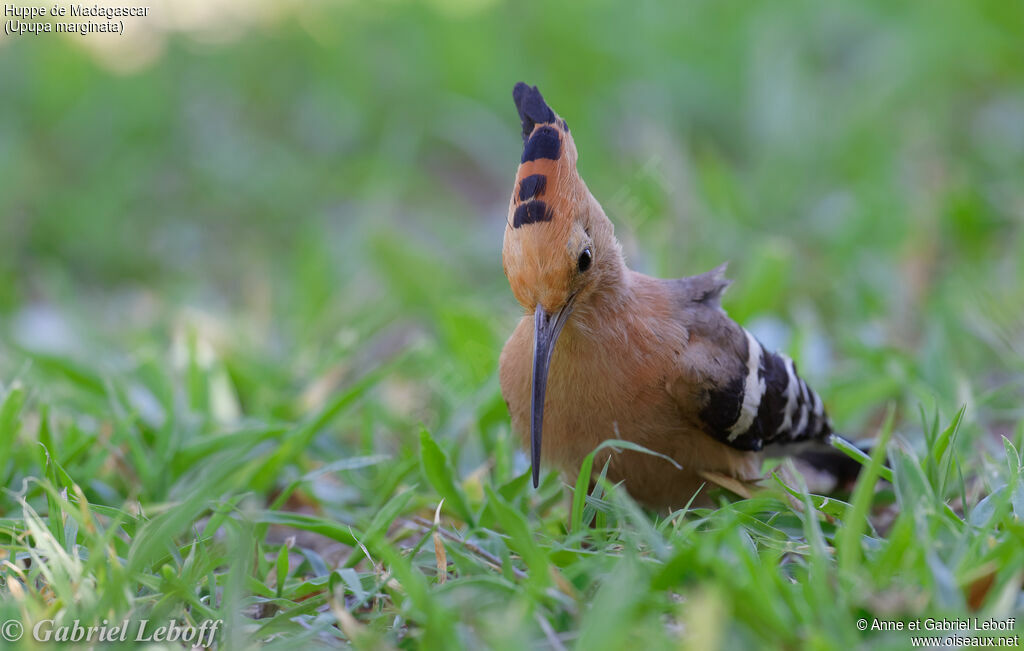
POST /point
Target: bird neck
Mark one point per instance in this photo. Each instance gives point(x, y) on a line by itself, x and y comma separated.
point(608, 298)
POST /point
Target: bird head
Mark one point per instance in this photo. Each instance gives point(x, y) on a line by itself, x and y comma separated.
point(560, 247)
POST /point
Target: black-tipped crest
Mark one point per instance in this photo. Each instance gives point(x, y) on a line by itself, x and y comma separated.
point(543, 150)
point(533, 110)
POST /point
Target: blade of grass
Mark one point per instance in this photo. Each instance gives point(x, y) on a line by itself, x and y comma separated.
point(856, 453)
point(441, 476)
point(579, 496)
point(848, 541)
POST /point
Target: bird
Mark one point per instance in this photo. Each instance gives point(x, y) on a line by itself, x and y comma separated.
point(605, 352)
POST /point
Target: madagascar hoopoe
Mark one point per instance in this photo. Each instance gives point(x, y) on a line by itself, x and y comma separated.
point(656, 362)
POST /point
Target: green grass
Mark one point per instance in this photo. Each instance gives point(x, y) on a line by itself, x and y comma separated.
point(251, 305)
point(242, 524)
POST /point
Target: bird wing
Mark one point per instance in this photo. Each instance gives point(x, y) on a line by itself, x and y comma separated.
point(737, 391)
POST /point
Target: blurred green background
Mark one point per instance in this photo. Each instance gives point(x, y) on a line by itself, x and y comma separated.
point(250, 247)
point(287, 172)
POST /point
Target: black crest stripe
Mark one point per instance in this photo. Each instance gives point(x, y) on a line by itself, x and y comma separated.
point(531, 212)
point(544, 143)
point(533, 110)
point(532, 186)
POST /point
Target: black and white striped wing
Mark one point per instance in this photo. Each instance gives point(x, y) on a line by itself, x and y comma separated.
point(765, 402)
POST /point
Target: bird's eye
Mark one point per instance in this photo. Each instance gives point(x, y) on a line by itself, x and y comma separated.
point(584, 262)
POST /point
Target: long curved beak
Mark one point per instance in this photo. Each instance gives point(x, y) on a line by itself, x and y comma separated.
point(547, 327)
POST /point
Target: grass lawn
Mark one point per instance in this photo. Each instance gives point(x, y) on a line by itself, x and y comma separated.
point(251, 305)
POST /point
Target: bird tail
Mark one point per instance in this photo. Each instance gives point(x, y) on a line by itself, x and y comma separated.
point(829, 460)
